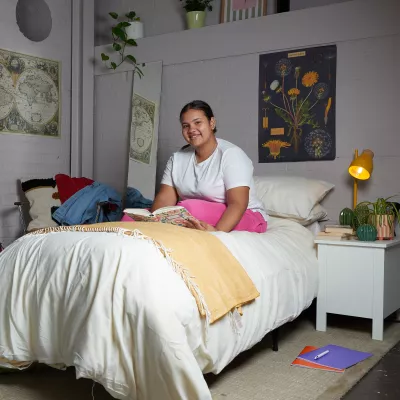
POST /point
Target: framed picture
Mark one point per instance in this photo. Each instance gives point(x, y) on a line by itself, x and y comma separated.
point(297, 105)
point(238, 10)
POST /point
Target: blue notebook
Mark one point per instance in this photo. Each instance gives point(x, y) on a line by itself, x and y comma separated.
point(338, 357)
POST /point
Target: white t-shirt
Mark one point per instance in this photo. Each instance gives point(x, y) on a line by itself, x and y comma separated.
point(227, 167)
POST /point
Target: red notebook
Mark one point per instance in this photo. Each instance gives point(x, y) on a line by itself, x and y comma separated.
point(308, 364)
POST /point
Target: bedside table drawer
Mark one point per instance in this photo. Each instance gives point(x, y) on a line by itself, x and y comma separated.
point(349, 281)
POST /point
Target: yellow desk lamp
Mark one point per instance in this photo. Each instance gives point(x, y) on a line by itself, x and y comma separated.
point(361, 168)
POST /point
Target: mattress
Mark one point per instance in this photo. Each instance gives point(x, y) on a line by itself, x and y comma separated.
point(111, 306)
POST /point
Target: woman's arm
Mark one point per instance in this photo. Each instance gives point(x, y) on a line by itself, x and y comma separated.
point(237, 200)
point(167, 196)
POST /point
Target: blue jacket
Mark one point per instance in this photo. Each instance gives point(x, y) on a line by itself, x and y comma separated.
point(81, 208)
point(135, 199)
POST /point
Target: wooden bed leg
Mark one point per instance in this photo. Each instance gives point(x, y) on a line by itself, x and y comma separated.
point(275, 338)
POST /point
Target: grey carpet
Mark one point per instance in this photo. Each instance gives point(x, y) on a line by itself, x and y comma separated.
point(258, 374)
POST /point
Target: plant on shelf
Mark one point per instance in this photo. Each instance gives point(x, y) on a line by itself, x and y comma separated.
point(380, 213)
point(197, 5)
point(196, 12)
point(120, 41)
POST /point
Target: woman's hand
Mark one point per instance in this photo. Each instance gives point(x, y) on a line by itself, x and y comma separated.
point(199, 225)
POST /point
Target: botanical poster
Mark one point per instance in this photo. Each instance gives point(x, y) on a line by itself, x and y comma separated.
point(297, 94)
point(29, 95)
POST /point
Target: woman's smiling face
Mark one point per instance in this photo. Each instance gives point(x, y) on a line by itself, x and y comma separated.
point(197, 130)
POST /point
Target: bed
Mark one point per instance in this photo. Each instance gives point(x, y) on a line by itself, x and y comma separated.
point(119, 314)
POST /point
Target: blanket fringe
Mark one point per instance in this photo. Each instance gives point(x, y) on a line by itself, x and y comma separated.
point(178, 268)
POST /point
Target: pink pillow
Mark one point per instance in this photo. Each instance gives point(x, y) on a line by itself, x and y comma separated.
point(127, 218)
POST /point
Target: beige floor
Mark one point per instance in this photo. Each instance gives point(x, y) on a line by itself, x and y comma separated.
point(258, 374)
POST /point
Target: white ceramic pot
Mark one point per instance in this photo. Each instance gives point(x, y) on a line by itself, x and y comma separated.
point(135, 30)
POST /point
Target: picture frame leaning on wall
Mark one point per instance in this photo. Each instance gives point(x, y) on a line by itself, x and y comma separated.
point(238, 10)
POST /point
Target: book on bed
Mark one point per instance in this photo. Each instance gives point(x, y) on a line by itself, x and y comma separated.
point(175, 215)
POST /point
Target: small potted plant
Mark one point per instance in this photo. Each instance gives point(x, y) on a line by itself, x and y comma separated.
point(382, 214)
point(135, 29)
point(196, 12)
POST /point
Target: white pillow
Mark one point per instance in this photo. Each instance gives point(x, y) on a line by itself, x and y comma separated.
point(318, 213)
point(293, 197)
point(42, 195)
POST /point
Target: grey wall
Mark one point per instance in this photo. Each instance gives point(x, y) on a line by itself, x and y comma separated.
point(225, 74)
point(158, 16)
point(29, 156)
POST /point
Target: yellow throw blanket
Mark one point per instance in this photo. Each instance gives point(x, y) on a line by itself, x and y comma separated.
point(215, 278)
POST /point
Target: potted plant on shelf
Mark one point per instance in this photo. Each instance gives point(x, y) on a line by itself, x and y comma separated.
point(382, 215)
point(135, 29)
point(121, 39)
point(196, 12)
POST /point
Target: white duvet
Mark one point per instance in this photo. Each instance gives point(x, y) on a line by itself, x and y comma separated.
point(110, 305)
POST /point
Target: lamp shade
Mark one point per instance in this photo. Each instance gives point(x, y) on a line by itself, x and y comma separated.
point(362, 165)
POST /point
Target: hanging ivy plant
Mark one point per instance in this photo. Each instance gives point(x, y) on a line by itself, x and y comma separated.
point(120, 41)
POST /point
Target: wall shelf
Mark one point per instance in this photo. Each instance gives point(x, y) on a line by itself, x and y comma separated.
point(358, 19)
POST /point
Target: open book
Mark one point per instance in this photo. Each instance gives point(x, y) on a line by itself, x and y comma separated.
point(175, 215)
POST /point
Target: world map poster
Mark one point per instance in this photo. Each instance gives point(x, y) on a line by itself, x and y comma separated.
point(29, 95)
point(142, 129)
point(297, 105)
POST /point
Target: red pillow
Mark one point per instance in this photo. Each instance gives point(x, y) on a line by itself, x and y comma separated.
point(68, 186)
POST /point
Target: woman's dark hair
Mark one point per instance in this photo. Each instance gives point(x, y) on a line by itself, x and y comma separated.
point(199, 105)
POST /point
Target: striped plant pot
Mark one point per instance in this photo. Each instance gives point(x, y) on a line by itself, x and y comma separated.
point(384, 225)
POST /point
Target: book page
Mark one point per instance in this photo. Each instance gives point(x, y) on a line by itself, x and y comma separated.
point(167, 209)
point(137, 211)
point(175, 215)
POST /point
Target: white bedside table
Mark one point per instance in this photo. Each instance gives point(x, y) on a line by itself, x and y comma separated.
point(360, 279)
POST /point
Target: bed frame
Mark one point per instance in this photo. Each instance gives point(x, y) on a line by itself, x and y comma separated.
point(275, 339)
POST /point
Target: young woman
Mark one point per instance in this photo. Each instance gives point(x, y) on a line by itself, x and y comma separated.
point(211, 177)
